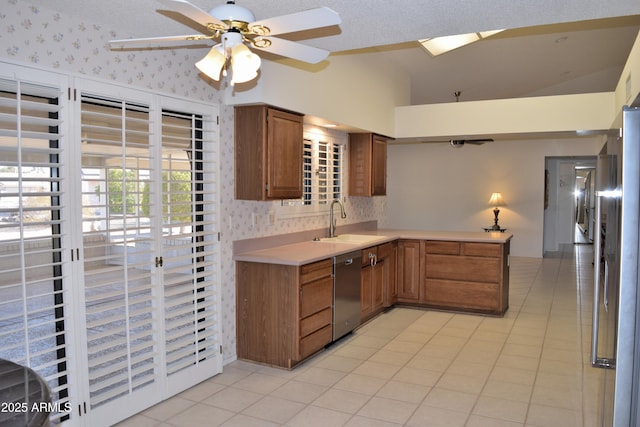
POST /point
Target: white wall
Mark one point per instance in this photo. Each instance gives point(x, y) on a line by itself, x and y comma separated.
point(568, 113)
point(354, 90)
point(436, 186)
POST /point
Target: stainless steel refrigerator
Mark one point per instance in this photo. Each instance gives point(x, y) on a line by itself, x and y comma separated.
point(616, 322)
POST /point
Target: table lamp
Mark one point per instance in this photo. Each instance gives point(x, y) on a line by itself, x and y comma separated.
point(496, 200)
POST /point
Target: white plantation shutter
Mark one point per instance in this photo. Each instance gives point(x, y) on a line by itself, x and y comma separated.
point(307, 172)
point(321, 174)
point(109, 243)
point(117, 252)
point(329, 172)
point(150, 250)
point(33, 281)
point(189, 255)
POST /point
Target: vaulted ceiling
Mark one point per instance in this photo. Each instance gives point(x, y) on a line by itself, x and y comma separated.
point(550, 47)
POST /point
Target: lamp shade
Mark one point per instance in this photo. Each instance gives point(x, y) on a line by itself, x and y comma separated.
point(497, 200)
point(212, 64)
point(244, 63)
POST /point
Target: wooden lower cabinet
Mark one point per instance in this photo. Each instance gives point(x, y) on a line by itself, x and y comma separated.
point(454, 275)
point(378, 288)
point(371, 284)
point(388, 255)
point(466, 276)
point(409, 274)
point(284, 313)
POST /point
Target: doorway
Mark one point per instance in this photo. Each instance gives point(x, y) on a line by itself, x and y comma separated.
point(585, 204)
point(563, 177)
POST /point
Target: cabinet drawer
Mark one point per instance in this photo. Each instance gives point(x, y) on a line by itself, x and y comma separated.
point(314, 342)
point(446, 293)
point(311, 272)
point(482, 249)
point(315, 321)
point(365, 255)
point(316, 296)
point(385, 250)
point(445, 248)
point(463, 268)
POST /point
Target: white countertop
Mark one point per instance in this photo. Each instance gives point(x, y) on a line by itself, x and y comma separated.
point(310, 251)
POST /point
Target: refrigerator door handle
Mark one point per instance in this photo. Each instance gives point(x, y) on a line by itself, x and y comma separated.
point(598, 362)
point(596, 285)
point(605, 299)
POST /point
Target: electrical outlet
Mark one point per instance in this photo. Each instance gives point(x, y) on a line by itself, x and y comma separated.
point(272, 217)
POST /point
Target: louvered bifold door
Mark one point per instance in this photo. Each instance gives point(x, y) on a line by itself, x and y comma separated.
point(118, 255)
point(34, 311)
point(190, 249)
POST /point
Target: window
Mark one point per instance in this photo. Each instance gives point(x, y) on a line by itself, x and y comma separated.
point(322, 174)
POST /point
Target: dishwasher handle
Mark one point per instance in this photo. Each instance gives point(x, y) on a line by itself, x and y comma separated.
point(348, 261)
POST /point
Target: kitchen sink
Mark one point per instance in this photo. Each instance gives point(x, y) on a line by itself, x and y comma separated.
point(354, 239)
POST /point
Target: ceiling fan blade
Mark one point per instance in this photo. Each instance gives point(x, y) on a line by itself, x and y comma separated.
point(150, 42)
point(299, 21)
point(290, 49)
point(193, 12)
point(477, 141)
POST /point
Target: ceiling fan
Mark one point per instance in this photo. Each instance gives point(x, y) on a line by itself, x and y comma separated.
point(234, 28)
point(454, 142)
point(461, 142)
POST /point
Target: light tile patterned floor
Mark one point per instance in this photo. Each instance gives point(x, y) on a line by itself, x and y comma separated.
point(423, 368)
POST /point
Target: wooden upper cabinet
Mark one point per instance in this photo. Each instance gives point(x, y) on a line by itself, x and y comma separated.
point(367, 164)
point(268, 153)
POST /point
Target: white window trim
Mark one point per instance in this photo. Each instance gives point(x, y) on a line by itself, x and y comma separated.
point(315, 134)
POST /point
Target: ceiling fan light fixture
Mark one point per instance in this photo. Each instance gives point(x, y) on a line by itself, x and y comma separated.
point(236, 27)
point(244, 63)
point(213, 63)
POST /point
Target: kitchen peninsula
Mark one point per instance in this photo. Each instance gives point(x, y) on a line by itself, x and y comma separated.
point(284, 293)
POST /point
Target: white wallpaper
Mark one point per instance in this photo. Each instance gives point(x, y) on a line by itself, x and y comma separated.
point(34, 35)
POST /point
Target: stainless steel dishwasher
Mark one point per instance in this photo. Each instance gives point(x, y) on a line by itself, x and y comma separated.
point(346, 293)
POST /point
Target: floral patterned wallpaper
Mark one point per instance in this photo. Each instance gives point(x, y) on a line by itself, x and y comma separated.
point(35, 35)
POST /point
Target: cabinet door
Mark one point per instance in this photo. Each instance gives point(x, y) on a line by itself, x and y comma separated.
point(367, 164)
point(408, 270)
point(360, 164)
point(378, 285)
point(284, 155)
point(379, 166)
point(366, 291)
point(387, 254)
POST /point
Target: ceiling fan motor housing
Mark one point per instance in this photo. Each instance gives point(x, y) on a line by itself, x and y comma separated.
point(231, 12)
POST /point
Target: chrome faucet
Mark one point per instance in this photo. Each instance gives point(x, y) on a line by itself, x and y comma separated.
point(332, 221)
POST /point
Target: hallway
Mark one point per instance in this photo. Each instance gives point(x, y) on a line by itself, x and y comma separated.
point(426, 368)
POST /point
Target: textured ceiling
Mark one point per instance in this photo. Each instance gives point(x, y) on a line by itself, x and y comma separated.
point(544, 52)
